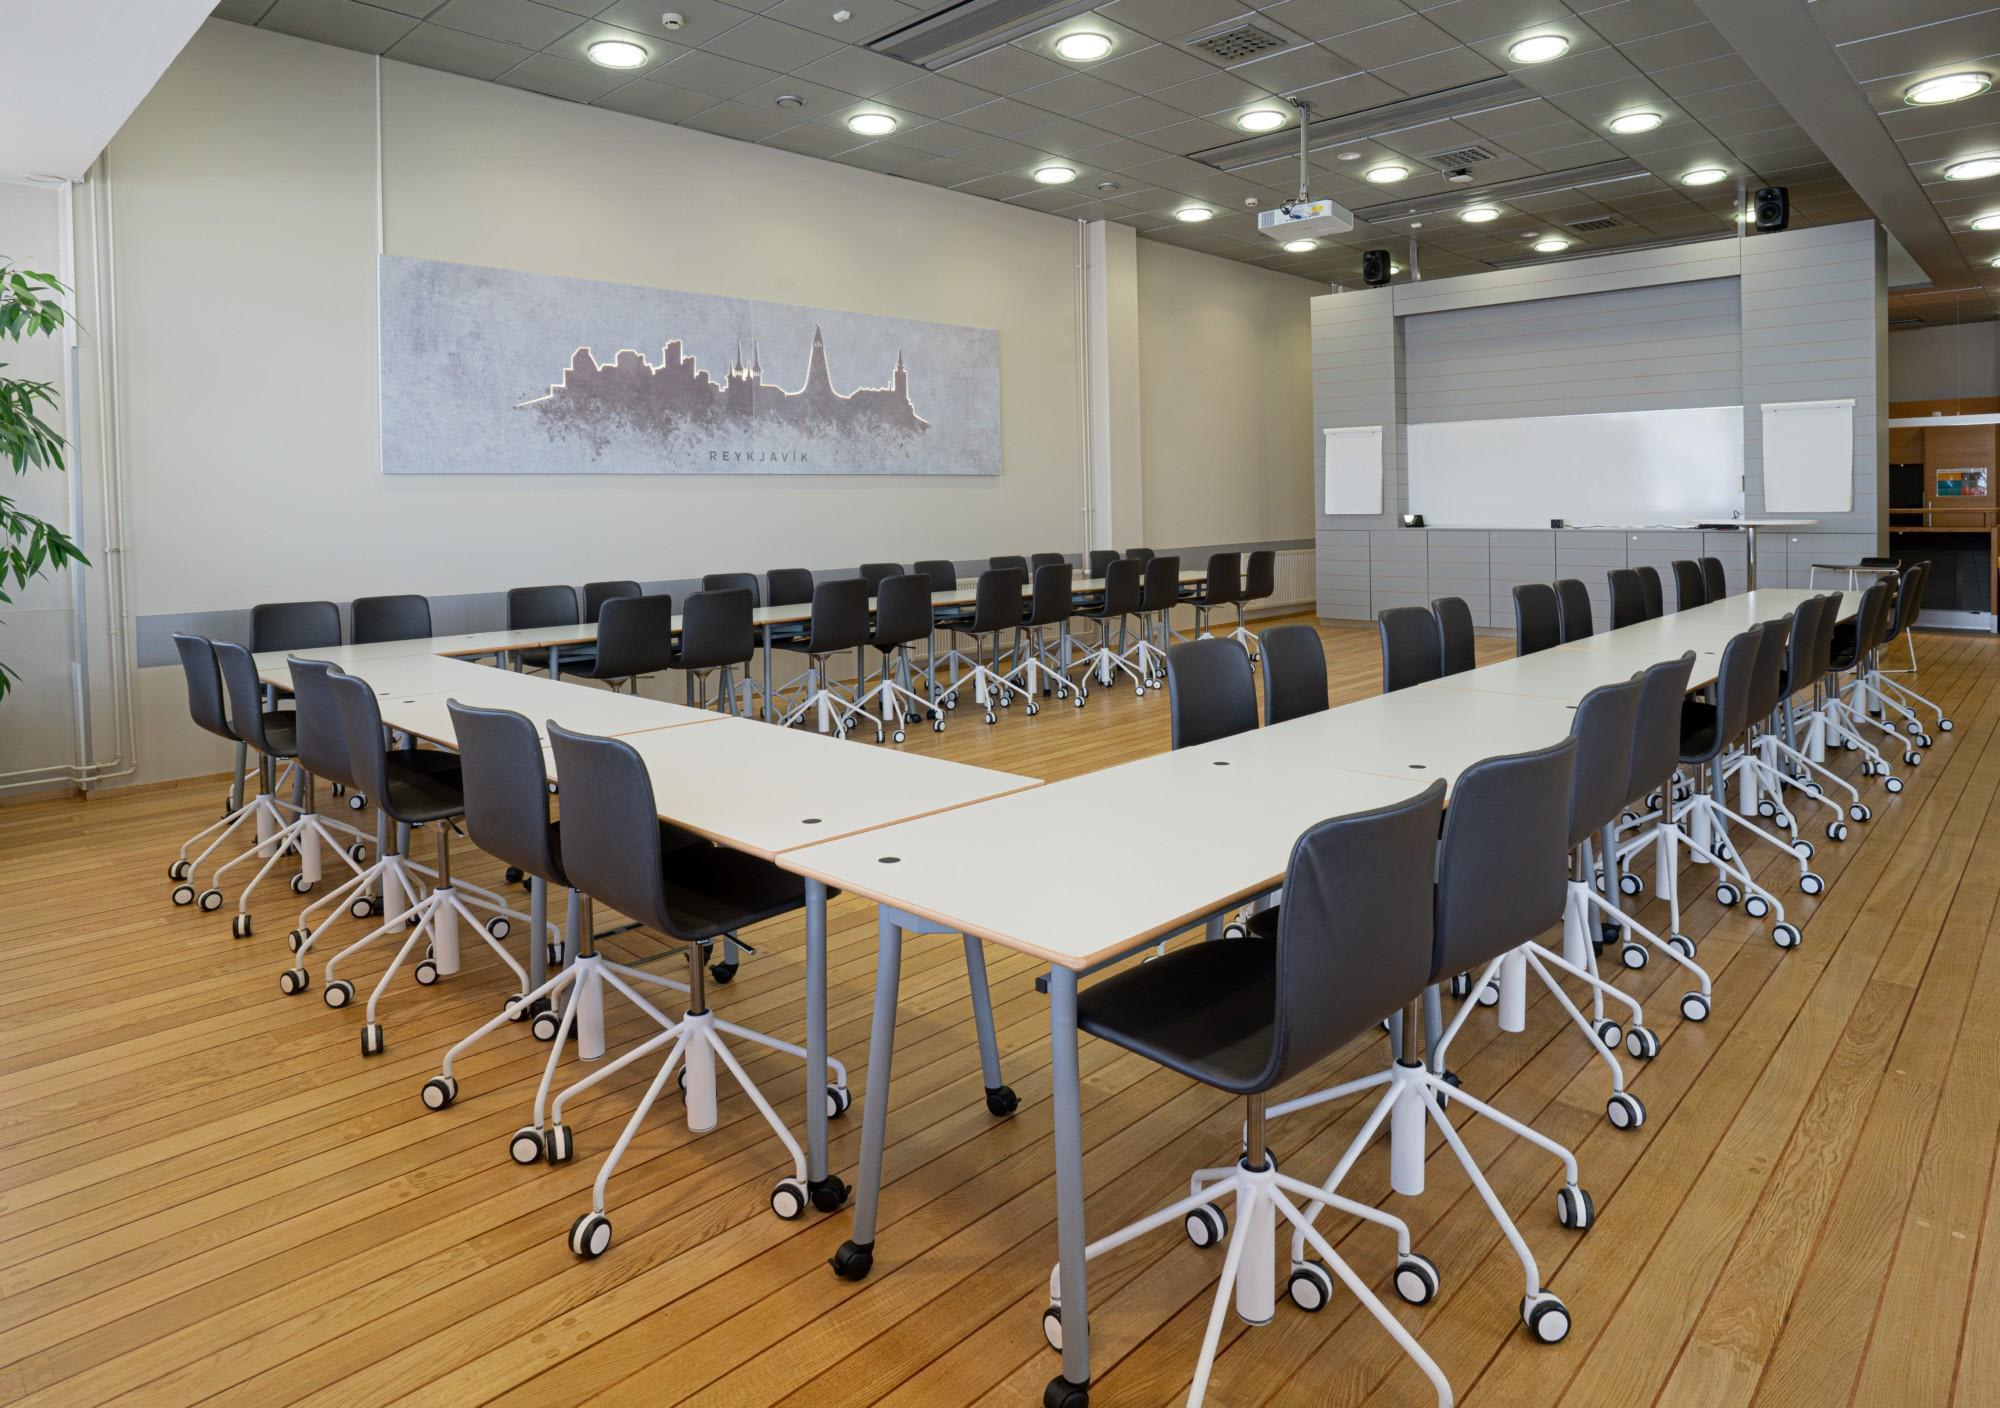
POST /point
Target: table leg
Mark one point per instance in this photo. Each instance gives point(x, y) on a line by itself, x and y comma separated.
point(1073, 1383)
point(555, 663)
point(816, 1081)
point(538, 932)
point(767, 675)
point(1750, 556)
point(857, 1255)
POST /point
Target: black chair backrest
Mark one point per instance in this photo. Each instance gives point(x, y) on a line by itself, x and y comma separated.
point(839, 615)
point(1225, 578)
point(1900, 607)
point(1628, 597)
point(1603, 728)
point(1122, 588)
point(541, 606)
point(1209, 691)
point(610, 824)
point(322, 736)
point(1411, 650)
point(1020, 564)
point(1649, 583)
point(246, 697)
point(361, 731)
point(1353, 931)
point(1038, 560)
point(1100, 561)
point(1537, 618)
point(902, 610)
point(996, 601)
point(1731, 695)
point(1878, 621)
point(790, 586)
point(1260, 575)
point(1051, 601)
point(735, 581)
point(1140, 555)
point(1294, 665)
point(1503, 863)
point(716, 630)
point(1656, 730)
point(1689, 587)
point(635, 636)
point(1573, 609)
point(1823, 633)
point(595, 594)
point(1913, 593)
point(1850, 646)
point(1895, 562)
point(379, 618)
point(876, 573)
point(506, 798)
point(1162, 585)
point(1454, 627)
point(204, 685)
point(942, 571)
point(1768, 670)
point(1714, 582)
point(1799, 643)
point(294, 625)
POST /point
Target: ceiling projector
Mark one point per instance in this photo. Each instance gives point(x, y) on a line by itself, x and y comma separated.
point(1304, 220)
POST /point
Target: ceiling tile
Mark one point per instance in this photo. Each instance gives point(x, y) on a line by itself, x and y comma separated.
point(1219, 93)
point(1944, 45)
point(1120, 154)
point(1064, 137)
point(521, 22)
point(644, 98)
point(713, 73)
point(1292, 69)
point(575, 46)
point(1686, 80)
point(934, 95)
point(342, 22)
point(415, 9)
point(1147, 70)
point(702, 20)
point(1844, 20)
point(1622, 20)
point(1392, 42)
point(999, 154)
point(1171, 19)
point(999, 186)
point(765, 42)
point(860, 72)
point(1436, 72)
point(814, 98)
point(434, 46)
point(1003, 117)
point(810, 140)
point(1322, 19)
point(939, 138)
point(1073, 94)
point(242, 11)
point(1006, 68)
point(1191, 135)
point(741, 121)
point(1474, 20)
point(560, 78)
point(1133, 116)
point(945, 171)
point(865, 18)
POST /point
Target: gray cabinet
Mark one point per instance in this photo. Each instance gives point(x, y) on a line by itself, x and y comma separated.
point(1398, 572)
point(1341, 574)
point(1518, 555)
point(1588, 555)
point(1459, 565)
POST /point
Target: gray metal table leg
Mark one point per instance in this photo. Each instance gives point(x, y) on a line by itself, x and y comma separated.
point(1000, 1099)
point(857, 1255)
point(1070, 1239)
point(1433, 1024)
point(538, 931)
point(816, 1080)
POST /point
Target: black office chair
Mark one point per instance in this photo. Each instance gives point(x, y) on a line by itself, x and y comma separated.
point(876, 573)
point(1118, 604)
point(693, 895)
point(1412, 652)
point(1537, 618)
point(839, 624)
point(902, 618)
point(1159, 593)
point(1142, 556)
point(789, 586)
point(1293, 662)
point(414, 787)
point(942, 571)
point(1260, 583)
point(1038, 661)
point(1354, 945)
point(1457, 654)
point(208, 709)
point(1689, 587)
point(1649, 585)
point(1746, 762)
point(1101, 560)
point(1019, 564)
point(1210, 693)
point(718, 637)
point(635, 636)
point(1572, 609)
point(284, 625)
point(1846, 708)
point(1714, 583)
point(1502, 878)
point(595, 594)
point(1628, 597)
point(1038, 560)
point(384, 618)
point(996, 611)
point(1222, 587)
point(1910, 606)
point(735, 582)
point(530, 608)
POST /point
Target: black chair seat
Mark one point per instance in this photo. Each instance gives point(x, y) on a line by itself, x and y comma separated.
point(1204, 1010)
point(1698, 722)
point(711, 890)
point(574, 657)
point(672, 838)
point(1264, 923)
point(425, 784)
point(281, 731)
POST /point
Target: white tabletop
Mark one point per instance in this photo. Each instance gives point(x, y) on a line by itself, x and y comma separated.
point(585, 708)
point(421, 673)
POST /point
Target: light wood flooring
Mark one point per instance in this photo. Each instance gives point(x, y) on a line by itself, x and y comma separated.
point(207, 1195)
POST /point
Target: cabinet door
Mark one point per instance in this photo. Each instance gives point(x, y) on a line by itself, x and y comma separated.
point(1458, 566)
point(1341, 570)
point(1518, 555)
point(1397, 571)
point(1589, 557)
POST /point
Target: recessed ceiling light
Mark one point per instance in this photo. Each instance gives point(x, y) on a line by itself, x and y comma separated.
point(871, 124)
point(1384, 175)
point(1986, 222)
point(1261, 120)
point(1948, 89)
point(616, 53)
point(1553, 245)
point(1193, 214)
point(1055, 175)
point(1972, 168)
point(1083, 47)
point(1300, 246)
point(1628, 124)
point(1993, 263)
point(790, 100)
point(1107, 186)
point(1538, 48)
point(1479, 214)
point(1704, 176)
point(1349, 156)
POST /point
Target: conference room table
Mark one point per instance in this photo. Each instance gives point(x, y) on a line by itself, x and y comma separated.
point(1131, 822)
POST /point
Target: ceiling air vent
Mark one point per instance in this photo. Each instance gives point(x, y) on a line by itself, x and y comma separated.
point(1241, 42)
point(1464, 156)
point(1601, 222)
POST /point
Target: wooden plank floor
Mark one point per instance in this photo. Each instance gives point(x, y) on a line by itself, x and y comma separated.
point(208, 1196)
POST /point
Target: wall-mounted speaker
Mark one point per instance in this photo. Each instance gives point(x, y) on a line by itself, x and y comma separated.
point(1375, 267)
point(1773, 208)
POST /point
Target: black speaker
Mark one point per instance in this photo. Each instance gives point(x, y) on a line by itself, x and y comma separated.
point(1375, 267)
point(1773, 209)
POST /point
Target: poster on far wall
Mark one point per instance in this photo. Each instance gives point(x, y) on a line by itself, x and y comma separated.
point(492, 371)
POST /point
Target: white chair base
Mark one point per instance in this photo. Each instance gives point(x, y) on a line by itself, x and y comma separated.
point(270, 816)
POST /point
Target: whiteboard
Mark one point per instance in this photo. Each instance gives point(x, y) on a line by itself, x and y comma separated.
point(1628, 468)
point(1809, 456)
point(1354, 469)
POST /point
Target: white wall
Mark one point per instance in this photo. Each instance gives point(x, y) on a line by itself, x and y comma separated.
point(1940, 364)
point(1227, 430)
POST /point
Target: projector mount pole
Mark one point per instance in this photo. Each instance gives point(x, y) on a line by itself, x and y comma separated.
point(1305, 122)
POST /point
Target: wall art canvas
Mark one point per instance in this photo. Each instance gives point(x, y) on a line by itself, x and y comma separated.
point(492, 371)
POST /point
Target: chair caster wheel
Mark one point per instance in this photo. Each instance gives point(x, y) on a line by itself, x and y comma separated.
point(358, 853)
point(1944, 725)
point(1785, 935)
point(1079, 700)
point(210, 901)
point(1694, 1007)
point(1633, 955)
point(1681, 944)
point(1311, 1287)
point(514, 874)
point(828, 1194)
point(1812, 884)
point(590, 1235)
point(1489, 996)
point(1443, 1097)
point(1206, 1226)
point(1416, 1279)
point(1546, 1317)
point(361, 908)
point(1803, 849)
point(1642, 1044)
point(178, 870)
point(559, 1144)
point(1234, 930)
point(301, 885)
point(1574, 1209)
point(1756, 906)
point(372, 1043)
point(722, 972)
point(853, 1261)
point(296, 940)
point(1726, 894)
point(1610, 1033)
point(544, 1025)
point(990, 717)
point(1859, 811)
point(1624, 1111)
point(1461, 985)
point(1001, 1101)
point(294, 981)
point(357, 801)
point(937, 724)
point(837, 1101)
point(183, 895)
point(497, 927)
point(789, 1199)
point(526, 1145)
point(1911, 757)
point(439, 1091)
point(1628, 884)
point(1052, 1327)
point(1061, 1393)
point(239, 927)
point(338, 993)
point(427, 973)
point(1894, 784)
